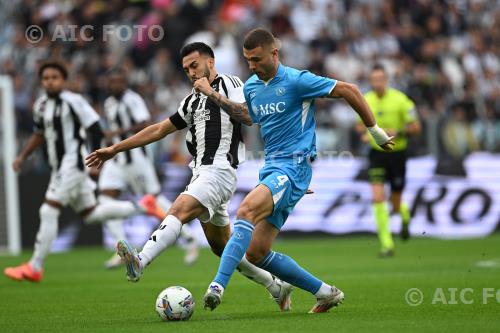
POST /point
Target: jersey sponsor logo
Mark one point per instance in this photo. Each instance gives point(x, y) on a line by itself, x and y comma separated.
point(255, 110)
point(280, 91)
point(271, 108)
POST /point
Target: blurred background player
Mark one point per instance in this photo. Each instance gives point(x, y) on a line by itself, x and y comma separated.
point(281, 100)
point(395, 112)
point(215, 141)
point(126, 113)
point(59, 117)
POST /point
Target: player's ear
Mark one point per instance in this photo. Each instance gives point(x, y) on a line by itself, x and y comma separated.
point(211, 62)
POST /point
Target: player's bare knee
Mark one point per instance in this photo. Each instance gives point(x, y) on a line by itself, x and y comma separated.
point(246, 212)
point(179, 212)
point(255, 255)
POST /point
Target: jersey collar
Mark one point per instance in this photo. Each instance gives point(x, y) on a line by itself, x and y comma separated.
point(280, 73)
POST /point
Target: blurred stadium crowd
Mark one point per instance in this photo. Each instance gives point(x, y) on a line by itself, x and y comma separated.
point(444, 54)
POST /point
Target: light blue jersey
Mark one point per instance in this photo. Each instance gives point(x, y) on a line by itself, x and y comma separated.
point(284, 107)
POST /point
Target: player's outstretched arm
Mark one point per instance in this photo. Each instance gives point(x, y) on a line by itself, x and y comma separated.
point(150, 134)
point(353, 96)
point(237, 111)
point(35, 141)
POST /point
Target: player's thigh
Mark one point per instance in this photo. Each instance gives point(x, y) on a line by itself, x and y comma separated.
point(186, 208)
point(212, 187)
point(64, 186)
point(263, 237)
point(217, 236)
point(377, 174)
point(378, 192)
point(257, 205)
point(84, 199)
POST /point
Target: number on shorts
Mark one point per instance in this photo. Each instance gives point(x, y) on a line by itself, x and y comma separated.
point(282, 180)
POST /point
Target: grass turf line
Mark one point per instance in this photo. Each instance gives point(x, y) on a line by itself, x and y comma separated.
point(78, 295)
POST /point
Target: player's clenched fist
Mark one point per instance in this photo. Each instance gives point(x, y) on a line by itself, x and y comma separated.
point(98, 157)
point(202, 85)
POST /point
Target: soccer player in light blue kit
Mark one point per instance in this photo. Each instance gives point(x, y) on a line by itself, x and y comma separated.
point(281, 100)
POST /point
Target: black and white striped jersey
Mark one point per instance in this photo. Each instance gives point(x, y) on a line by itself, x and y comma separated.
point(124, 113)
point(63, 121)
point(213, 137)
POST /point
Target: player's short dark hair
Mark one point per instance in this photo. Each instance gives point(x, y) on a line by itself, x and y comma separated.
point(54, 64)
point(258, 37)
point(201, 48)
point(378, 67)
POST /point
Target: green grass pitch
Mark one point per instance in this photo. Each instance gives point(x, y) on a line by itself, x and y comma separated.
point(78, 295)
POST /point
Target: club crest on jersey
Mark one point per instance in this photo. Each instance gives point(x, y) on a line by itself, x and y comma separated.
point(280, 91)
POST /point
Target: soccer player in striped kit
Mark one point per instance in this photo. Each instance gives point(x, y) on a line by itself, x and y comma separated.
point(125, 114)
point(64, 121)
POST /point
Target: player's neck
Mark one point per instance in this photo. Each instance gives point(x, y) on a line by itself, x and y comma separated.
point(381, 94)
point(212, 77)
point(275, 72)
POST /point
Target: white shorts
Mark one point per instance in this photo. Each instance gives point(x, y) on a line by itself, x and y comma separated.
point(72, 187)
point(213, 186)
point(139, 175)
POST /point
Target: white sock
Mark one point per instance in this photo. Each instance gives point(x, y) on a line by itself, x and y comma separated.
point(165, 204)
point(324, 290)
point(257, 274)
point(46, 234)
point(165, 236)
point(111, 210)
point(114, 226)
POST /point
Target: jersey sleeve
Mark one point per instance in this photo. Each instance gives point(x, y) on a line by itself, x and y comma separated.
point(182, 118)
point(138, 109)
point(38, 125)
point(251, 111)
point(408, 109)
point(86, 113)
point(234, 88)
point(312, 86)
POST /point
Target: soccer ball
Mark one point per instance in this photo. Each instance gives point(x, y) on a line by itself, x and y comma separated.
point(175, 303)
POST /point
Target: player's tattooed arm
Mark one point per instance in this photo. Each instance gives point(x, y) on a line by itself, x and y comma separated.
point(237, 111)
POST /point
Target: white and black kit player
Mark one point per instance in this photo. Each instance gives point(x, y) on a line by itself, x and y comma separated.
point(125, 114)
point(66, 123)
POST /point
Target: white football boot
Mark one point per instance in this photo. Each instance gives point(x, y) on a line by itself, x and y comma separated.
point(213, 296)
point(326, 303)
point(132, 261)
point(283, 296)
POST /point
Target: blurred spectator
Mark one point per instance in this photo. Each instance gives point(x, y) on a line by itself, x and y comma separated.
point(441, 53)
point(458, 136)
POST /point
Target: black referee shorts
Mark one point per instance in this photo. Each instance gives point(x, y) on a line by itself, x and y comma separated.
point(388, 167)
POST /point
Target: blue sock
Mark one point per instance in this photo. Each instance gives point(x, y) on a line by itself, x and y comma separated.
point(234, 251)
point(288, 270)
